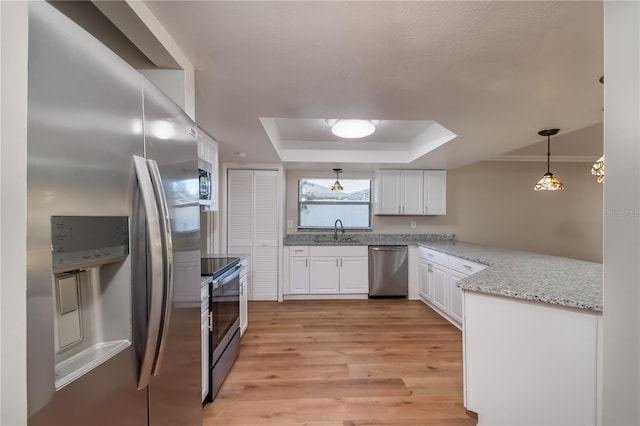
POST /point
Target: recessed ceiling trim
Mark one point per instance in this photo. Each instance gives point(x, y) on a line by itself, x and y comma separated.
point(433, 136)
point(271, 127)
point(543, 158)
point(344, 156)
point(358, 146)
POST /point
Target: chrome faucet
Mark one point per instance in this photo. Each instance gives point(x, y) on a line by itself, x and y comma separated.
point(335, 229)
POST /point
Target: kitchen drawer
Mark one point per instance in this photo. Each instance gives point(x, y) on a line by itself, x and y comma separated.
point(434, 256)
point(465, 266)
point(295, 251)
point(339, 251)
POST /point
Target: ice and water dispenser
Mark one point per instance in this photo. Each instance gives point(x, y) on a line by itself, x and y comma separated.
point(92, 292)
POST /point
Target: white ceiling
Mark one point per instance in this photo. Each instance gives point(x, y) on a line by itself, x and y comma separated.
point(494, 73)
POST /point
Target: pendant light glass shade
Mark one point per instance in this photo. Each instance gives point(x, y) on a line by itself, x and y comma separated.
point(337, 186)
point(548, 182)
point(597, 169)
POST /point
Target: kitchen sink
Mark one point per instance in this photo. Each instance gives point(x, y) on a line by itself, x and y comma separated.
point(330, 240)
point(349, 240)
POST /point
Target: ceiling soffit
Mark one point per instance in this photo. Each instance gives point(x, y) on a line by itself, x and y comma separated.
point(395, 141)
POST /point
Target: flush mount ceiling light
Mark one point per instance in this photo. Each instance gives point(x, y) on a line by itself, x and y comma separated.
point(337, 186)
point(548, 182)
point(352, 128)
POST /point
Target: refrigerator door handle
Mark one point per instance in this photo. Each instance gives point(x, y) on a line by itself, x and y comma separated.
point(167, 253)
point(156, 259)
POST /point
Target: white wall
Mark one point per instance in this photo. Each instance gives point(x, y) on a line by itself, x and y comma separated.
point(13, 200)
point(87, 15)
point(188, 90)
point(621, 317)
point(494, 203)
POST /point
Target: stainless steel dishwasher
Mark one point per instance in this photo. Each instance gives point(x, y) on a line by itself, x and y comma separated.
point(388, 271)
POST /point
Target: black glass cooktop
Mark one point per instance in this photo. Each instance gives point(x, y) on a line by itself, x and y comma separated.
point(216, 266)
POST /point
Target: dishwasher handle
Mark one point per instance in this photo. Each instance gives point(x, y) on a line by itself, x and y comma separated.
point(387, 248)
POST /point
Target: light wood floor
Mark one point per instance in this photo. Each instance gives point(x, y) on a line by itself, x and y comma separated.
point(360, 362)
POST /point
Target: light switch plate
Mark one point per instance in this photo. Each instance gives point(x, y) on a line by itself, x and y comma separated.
point(289, 224)
point(413, 224)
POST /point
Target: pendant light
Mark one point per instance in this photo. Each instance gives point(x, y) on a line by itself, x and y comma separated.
point(337, 186)
point(597, 169)
point(548, 182)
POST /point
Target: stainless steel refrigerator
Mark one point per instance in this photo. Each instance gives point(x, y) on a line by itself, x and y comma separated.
point(113, 280)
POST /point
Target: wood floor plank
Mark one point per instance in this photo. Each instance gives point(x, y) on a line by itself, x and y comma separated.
point(357, 362)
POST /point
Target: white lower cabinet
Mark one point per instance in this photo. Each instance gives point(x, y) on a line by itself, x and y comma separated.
point(439, 274)
point(204, 348)
point(424, 290)
point(324, 275)
point(331, 270)
point(244, 297)
point(354, 275)
point(299, 275)
point(438, 278)
point(455, 310)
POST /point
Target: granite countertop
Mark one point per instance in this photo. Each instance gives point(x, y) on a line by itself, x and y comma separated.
point(205, 279)
point(363, 239)
point(530, 276)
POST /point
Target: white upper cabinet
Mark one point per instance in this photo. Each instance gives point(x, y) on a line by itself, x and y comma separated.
point(388, 198)
point(410, 192)
point(435, 192)
point(208, 151)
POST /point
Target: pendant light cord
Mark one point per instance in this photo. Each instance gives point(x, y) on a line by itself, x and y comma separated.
point(548, 152)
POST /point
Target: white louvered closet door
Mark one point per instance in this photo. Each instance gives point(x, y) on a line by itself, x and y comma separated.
point(265, 236)
point(253, 227)
point(240, 214)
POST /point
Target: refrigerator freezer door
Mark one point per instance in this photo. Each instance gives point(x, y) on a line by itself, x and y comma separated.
point(84, 127)
point(170, 140)
point(155, 280)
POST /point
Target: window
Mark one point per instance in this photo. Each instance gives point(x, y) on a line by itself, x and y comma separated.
point(319, 206)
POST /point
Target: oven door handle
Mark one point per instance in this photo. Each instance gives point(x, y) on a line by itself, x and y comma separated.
point(227, 277)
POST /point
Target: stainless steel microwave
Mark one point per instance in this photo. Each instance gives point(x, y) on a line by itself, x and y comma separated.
point(204, 171)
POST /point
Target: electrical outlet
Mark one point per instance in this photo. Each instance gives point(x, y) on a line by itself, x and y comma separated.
point(413, 224)
point(289, 224)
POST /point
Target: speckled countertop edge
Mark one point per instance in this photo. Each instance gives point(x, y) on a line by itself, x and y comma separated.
point(529, 276)
point(362, 239)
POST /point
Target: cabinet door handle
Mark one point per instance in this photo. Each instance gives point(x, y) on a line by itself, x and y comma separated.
point(466, 266)
point(341, 262)
point(210, 322)
point(336, 262)
point(306, 262)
